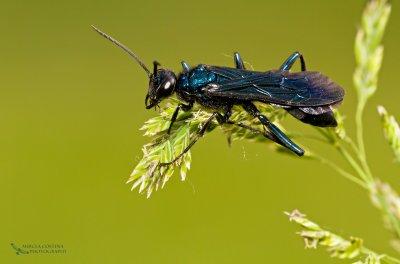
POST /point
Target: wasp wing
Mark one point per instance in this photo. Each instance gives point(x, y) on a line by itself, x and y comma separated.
point(299, 89)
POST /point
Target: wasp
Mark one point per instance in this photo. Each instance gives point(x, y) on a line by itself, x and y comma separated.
point(309, 96)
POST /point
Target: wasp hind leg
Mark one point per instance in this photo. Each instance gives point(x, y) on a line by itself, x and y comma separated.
point(287, 65)
point(279, 136)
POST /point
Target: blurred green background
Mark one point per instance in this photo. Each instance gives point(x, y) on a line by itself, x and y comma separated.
point(71, 105)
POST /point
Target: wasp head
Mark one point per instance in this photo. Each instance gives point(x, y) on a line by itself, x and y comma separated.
point(161, 85)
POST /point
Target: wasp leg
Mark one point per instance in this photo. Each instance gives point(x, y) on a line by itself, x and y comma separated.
point(201, 132)
point(238, 61)
point(222, 119)
point(276, 132)
point(175, 114)
point(185, 66)
point(265, 133)
point(291, 60)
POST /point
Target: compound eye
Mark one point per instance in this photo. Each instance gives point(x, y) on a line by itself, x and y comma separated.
point(167, 85)
point(166, 88)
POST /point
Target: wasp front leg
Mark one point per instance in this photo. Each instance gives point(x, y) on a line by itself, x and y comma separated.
point(176, 112)
point(287, 65)
point(222, 119)
point(198, 135)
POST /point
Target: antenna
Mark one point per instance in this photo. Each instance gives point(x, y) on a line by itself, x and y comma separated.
point(125, 48)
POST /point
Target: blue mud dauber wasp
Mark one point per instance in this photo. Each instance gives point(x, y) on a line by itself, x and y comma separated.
point(307, 95)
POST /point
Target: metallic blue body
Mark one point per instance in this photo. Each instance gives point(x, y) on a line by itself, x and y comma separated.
point(217, 87)
point(308, 96)
point(195, 79)
point(189, 86)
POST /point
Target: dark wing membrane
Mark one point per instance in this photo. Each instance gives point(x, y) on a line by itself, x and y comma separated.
point(300, 89)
